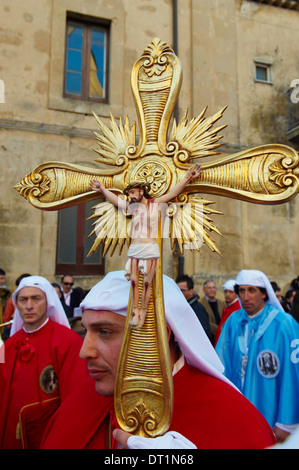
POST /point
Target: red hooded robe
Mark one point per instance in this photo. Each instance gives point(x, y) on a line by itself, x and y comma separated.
point(207, 411)
point(40, 370)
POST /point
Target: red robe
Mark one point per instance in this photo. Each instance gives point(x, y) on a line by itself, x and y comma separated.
point(40, 370)
point(225, 314)
point(207, 411)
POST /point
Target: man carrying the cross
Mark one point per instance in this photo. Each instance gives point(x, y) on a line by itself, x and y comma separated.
point(207, 407)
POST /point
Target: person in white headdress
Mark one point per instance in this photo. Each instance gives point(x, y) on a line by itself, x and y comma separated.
point(233, 304)
point(54, 309)
point(204, 400)
point(40, 364)
point(258, 349)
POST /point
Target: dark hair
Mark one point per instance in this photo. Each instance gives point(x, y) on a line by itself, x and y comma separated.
point(146, 187)
point(65, 275)
point(262, 289)
point(295, 307)
point(54, 284)
point(187, 279)
point(275, 286)
point(289, 293)
point(2, 272)
point(295, 283)
point(18, 280)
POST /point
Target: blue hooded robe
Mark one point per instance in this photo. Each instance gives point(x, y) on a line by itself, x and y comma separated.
point(269, 356)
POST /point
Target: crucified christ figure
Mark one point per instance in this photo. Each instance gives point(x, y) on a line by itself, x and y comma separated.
point(144, 250)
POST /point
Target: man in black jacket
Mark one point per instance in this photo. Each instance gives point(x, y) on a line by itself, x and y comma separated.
point(186, 284)
point(71, 298)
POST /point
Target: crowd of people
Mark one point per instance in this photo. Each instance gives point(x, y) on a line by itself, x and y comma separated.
point(235, 361)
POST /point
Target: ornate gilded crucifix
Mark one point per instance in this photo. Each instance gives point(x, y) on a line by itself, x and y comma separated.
point(266, 175)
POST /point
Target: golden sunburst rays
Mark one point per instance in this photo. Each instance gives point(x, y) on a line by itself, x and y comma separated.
point(114, 141)
point(197, 136)
point(111, 228)
point(188, 224)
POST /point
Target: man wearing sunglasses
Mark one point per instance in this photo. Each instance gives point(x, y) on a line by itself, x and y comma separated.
point(71, 298)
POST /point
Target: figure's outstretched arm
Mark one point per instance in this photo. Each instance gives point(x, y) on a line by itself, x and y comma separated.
point(115, 200)
point(193, 172)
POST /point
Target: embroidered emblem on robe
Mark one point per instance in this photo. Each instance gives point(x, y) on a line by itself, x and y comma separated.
point(48, 380)
point(268, 364)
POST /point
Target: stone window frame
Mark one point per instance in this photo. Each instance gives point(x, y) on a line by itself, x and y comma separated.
point(265, 63)
point(115, 16)
point(79, 265)
point(86, 24)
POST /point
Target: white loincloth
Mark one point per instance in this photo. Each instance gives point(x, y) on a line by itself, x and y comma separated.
point(143, 252)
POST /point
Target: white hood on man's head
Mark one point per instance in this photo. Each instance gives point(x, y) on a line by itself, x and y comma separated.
point(55, 309)
point(229, 285)
point(253, 277)
point(112, 294)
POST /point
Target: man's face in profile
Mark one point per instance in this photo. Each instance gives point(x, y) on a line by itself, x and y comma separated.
point(101, 347)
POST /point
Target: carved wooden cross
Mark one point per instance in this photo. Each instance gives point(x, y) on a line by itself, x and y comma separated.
point(266, 175)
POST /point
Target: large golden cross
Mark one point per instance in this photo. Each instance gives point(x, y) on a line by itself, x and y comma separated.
point(267, 175)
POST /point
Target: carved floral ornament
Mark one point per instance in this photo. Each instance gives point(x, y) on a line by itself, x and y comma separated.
point(156, 61)
point(284, 173)
point(35, 183)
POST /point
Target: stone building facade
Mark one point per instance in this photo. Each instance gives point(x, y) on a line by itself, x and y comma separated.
point(236, 53)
